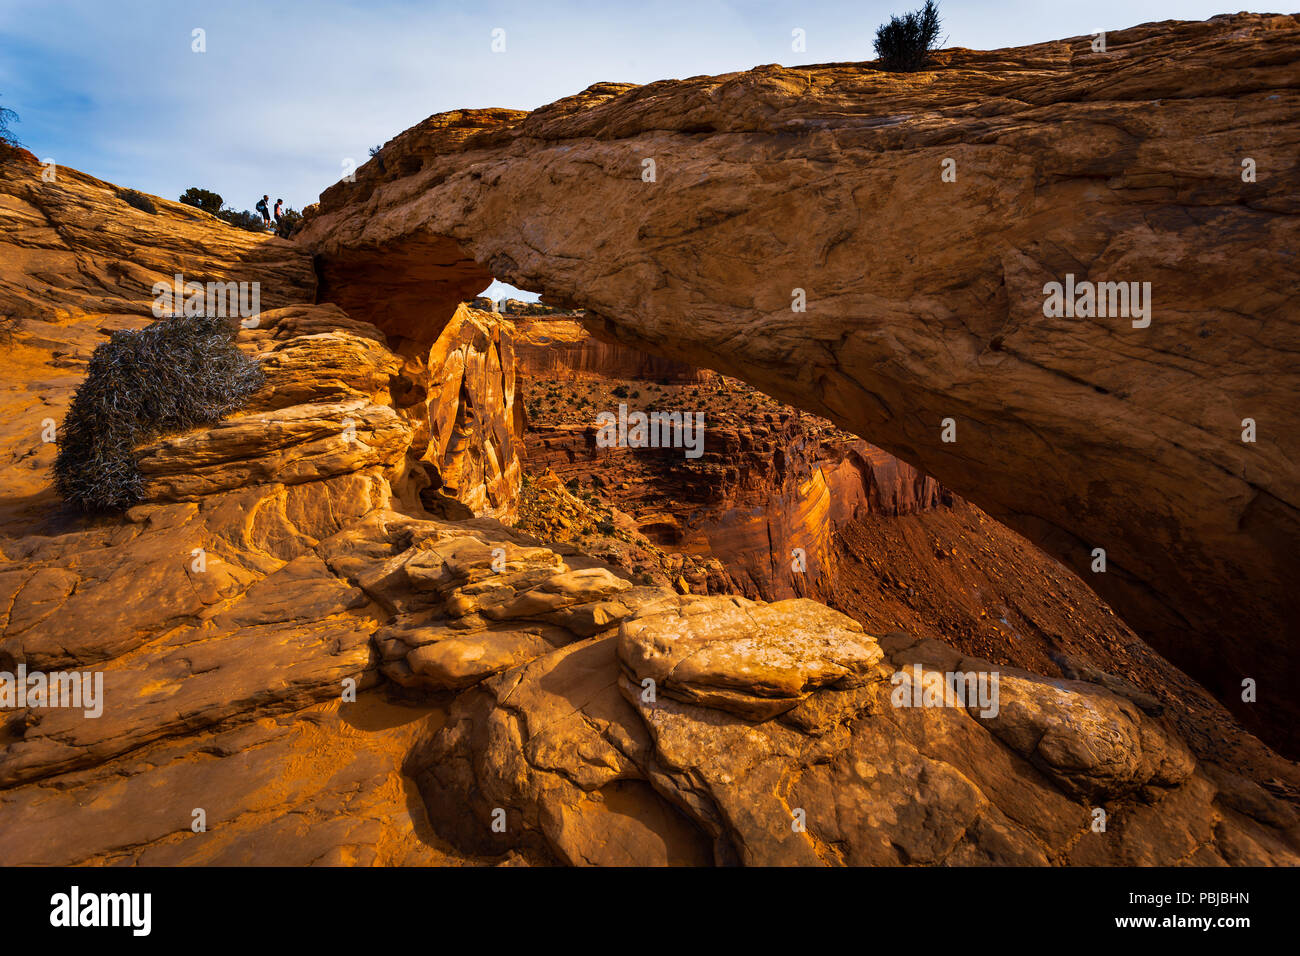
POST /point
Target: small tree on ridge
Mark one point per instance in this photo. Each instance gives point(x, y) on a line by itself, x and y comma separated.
point(904, 44)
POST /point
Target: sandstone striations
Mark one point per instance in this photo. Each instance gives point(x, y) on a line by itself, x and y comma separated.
point(562, 345)
point(925, 297)
point(765, 495)
point(474, 422)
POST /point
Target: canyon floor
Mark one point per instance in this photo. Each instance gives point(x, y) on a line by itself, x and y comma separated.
point(403, 608)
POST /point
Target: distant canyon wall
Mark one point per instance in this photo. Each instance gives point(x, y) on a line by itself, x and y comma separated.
point(765, 498)
point(548, 346)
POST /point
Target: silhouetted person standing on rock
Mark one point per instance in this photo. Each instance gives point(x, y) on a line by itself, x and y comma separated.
point(279, 209)
point(264, 210)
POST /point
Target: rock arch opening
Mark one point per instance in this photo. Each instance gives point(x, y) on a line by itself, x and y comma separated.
point(923, 304)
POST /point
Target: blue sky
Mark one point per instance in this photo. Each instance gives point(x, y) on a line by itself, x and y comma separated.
point(286, 91)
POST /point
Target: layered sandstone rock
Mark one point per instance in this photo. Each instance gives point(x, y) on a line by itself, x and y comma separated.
point(563, 346)
point(231, 598)
point(301, 665)
point(925, 294)
point(239, 671)
point(72, 246)
point(874, 538)
point(765, 498)
point(756, 712)
point(758, 662)
point(474, 422)
point(766, 493)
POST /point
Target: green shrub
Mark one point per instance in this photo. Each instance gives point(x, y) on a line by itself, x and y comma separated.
point(204, 199)
point(287, 223)
point(905, 43)
point(171, 375)
point(251, 221)
point(137, 200)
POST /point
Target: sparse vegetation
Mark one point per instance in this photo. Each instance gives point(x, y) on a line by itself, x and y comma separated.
point(204, 199)
point(172, 374)
point(9, 143)
point(137, 200)
point(209, 201)
point(904, 44)
point(287, 223)
point(251, 221)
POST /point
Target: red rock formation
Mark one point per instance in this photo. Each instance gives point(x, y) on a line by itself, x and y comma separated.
point(925, 296)
point(244, 617)
point(757, 494)
point(882, 543)
point(547, 346)
point(474, 422)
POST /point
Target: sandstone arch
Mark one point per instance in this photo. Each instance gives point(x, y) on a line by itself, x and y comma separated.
point(925, 297)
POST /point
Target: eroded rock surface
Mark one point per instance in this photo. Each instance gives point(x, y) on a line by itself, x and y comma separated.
point(474, 423)
point(763, 486)
point(737, 757)
point(925, 297)
point(303, 663)
point(225, 641)
point(755, 661)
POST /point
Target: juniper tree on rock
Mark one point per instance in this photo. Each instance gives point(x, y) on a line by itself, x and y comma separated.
point(904, 44)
